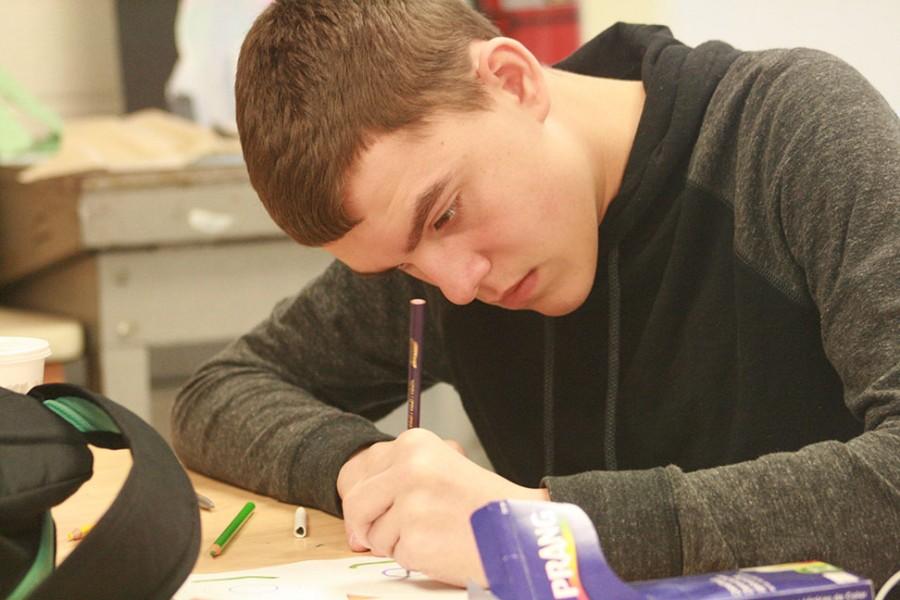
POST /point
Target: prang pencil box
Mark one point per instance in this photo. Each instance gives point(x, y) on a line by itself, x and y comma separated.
point(550, 551)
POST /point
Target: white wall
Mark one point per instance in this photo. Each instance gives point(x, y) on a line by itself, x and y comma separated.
point(66, 51)
point(63, 51)
point(862, 33)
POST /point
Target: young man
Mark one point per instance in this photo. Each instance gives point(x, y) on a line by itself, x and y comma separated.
point(664, 281)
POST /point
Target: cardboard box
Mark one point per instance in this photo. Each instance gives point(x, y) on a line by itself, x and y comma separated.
point(550, 551)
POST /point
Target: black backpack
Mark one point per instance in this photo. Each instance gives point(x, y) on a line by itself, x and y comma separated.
point(144, 545)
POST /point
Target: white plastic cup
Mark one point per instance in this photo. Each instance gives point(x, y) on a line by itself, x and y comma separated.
point(22, 362)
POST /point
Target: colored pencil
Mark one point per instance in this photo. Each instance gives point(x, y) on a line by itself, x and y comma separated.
point(79, 533)
point(236, 523)
point(414, 372)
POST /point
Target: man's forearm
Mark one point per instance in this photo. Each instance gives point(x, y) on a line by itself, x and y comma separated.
point(261, 433)
point(830, 501)
point(280, 410)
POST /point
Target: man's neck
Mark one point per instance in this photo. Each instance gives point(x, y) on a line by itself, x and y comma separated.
point(603, 114)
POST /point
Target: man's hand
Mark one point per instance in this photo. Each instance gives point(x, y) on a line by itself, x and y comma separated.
point(411, 499)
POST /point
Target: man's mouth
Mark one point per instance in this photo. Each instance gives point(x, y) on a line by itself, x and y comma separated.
point(518, 295)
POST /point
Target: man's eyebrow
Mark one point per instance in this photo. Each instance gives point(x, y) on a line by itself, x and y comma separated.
point(424, 204)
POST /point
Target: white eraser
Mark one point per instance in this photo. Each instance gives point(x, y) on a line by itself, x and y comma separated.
point(300, 528)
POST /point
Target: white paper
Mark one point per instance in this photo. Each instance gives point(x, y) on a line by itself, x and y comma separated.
point(338, 579)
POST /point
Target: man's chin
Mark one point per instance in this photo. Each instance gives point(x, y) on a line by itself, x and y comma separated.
point(560, 304)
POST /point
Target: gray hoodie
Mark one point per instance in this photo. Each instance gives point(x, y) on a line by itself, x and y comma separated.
point(728, 395)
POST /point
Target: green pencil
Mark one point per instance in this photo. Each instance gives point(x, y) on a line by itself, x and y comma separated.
point(236, 523)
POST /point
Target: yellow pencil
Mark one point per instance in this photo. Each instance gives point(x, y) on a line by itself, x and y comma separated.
point(77, 534)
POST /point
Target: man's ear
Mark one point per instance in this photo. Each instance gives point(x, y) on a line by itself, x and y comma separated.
point(504, 65)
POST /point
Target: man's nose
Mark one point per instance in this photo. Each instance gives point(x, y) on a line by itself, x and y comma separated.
point(458, 276)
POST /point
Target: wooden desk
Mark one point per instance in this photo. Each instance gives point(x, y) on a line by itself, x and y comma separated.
point(266, 539)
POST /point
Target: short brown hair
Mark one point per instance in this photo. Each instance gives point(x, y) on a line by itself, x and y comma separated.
point(317, 80)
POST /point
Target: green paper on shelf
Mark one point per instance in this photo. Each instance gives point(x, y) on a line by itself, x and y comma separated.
point(26, 125)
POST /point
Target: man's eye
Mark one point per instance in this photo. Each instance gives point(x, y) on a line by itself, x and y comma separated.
point(445, 218)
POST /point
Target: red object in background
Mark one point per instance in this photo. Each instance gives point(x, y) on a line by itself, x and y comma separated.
point(549, 31)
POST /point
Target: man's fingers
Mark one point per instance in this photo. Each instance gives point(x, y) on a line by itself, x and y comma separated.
point(365, 503)
point(384, 533)
point(354, 543)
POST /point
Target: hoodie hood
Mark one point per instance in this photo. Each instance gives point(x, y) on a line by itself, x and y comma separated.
point(672, 115)
point(666, 134)
point(511, 393)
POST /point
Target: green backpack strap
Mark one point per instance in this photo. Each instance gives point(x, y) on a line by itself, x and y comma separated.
point(43, 562)
point(83, 415)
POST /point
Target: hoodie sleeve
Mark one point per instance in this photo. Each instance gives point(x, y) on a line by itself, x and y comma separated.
point(826, 153)
point(279, 412)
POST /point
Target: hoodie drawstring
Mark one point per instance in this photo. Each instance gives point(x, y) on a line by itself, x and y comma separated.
point(549, 353)
point(612, 371)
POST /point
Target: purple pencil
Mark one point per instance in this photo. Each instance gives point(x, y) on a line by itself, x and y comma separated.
point(414, 380)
